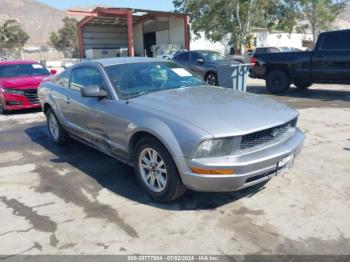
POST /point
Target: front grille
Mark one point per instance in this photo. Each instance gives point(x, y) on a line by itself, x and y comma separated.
point(267, 136)
point(32, 95)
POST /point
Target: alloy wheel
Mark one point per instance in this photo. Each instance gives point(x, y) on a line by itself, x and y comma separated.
point(276, 83)
point(211, 79)
point(54, 128)
point(152, 169)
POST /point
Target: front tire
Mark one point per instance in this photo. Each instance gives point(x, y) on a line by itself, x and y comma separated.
point(56, 131)
point(212, 79)
point(277, 82)
point(2, 108)
point(156, 171)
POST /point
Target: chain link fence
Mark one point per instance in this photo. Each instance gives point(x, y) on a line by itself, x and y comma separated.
point(35, 54)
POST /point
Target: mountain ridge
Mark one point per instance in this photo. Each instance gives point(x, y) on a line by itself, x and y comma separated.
point(39, 19)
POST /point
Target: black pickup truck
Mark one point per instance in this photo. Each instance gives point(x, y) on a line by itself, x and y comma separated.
point(328, 63)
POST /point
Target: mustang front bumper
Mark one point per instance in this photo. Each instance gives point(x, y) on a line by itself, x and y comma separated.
point(249, 169)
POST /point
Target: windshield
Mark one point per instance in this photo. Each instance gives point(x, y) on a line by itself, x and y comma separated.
point(212, 56)
point(16, 70)
point(130, 80)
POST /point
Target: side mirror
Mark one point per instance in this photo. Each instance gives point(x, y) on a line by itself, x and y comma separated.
point(200, 61)
point(93, 91)
point(53, 72)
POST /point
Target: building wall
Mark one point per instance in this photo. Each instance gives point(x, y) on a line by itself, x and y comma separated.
point(169, 30)
point(177, 31)
point(282, 39)
point(163, 37)
point(105, 37)
point(259, 39)
point(138, 40)
point(202, 43)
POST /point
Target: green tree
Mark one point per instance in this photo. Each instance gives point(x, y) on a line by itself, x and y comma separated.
point(320, 14)
point(12, 35)
point(236, 18)
point(66, 38)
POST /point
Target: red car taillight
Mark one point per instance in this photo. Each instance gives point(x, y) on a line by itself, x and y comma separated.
point(253, 61)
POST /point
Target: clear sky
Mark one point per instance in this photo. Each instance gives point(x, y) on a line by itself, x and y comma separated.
point(162, 5)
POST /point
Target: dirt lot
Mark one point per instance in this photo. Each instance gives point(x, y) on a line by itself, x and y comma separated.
point(75, 200)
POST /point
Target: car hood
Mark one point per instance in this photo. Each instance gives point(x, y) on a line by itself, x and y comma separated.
point(22, 81)
point(219, 111)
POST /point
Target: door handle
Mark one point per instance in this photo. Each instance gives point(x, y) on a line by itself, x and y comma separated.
point(67, 100)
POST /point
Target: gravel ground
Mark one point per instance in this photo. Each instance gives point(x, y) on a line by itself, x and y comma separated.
point(75, 200)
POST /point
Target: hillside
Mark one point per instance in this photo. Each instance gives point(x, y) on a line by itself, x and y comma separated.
point(37, 18)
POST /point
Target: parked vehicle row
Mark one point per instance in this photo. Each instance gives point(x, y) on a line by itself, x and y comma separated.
point(328, 63)
point(176, 131)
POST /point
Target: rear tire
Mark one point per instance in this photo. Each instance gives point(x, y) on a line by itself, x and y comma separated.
point(153, 163)
point(56, 131)
point(302, 85)
point(277, 82)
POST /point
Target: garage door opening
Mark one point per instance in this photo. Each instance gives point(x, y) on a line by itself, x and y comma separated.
point(149, 40)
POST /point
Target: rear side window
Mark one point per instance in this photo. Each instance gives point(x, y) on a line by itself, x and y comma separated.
point(85, 76)
point(260, 50)
point(183, 57)
point(265, 50)
point(336, 41)
point(273, 50)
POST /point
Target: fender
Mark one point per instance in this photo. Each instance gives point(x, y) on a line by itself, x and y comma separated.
point(158, 129)
point(49, 100)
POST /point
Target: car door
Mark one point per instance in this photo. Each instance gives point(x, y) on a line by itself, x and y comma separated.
point(331, 58)
point(197, 63)
point(60, 85)
point(85, 114)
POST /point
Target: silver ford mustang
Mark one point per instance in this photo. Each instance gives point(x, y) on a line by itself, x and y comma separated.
point(177, 132)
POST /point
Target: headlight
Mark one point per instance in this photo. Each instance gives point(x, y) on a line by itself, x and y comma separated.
point(14, 91)
point(214, 147)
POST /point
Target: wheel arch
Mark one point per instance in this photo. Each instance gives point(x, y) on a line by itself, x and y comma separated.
point(163, 134)
point(278, 67)
point(210, 71)
point(46, 107)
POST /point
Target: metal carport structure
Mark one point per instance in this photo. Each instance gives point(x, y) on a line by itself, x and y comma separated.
point(129, 21)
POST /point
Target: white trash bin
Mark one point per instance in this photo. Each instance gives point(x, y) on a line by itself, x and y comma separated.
point(234, 76)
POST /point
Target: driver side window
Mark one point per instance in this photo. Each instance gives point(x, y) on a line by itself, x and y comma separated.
point(85, 76)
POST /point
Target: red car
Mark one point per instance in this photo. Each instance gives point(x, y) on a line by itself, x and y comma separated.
point(19, 81)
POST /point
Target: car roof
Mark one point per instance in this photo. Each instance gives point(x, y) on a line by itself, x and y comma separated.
point(204, 51)
point(18, 62)
point(127, 60)
point(262, 47)
point(337, 31)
